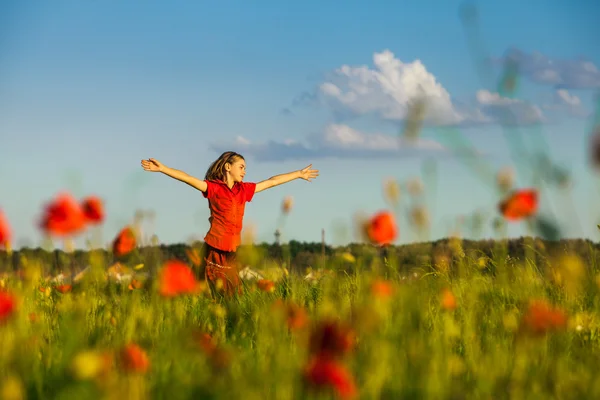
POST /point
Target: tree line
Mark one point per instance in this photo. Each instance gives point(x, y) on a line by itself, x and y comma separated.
point(298, 256)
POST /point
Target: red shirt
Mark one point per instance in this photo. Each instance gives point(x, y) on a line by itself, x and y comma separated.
point(226, 213)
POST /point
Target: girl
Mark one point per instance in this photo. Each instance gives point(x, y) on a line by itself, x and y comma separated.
point(227, 195)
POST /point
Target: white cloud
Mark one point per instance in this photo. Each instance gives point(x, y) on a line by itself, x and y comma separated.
point(563, 101)
point(565, 97)
point(561, 73)
point(387, 90)
point(336, 140)
point(508, 111)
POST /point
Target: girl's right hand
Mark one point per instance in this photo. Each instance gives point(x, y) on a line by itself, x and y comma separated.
point(152, 165)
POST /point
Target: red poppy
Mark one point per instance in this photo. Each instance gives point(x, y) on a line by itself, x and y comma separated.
point(5, 233)
point(93, 209)
point(134, 359)
point(332, 339)
point(519, 204)
point(381, 288)
point(448, 300)
point(296, 317)
point(64, 288)
point(177, 278)
point(266, 285)
point(125, 242)
point(63, 217)
point(8, 305)
point(381, 228)
point(325, 373)
point(541, 318)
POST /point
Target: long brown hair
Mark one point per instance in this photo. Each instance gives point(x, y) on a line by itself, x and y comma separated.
point(216, 171)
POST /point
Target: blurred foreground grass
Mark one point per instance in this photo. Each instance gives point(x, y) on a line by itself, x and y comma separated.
point(470, 331)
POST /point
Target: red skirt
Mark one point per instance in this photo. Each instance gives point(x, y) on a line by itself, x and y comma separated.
point(220, 269)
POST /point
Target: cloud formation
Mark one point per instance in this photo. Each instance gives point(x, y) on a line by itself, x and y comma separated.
point(564, 102)
point(560, 73)
point(507, 111)
point(336, 141)
point(388, 89)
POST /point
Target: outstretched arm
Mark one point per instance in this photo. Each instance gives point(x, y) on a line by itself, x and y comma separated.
point(307, 174)
point(153, 165)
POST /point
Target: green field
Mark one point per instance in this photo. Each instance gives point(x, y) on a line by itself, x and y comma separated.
point(459, 324)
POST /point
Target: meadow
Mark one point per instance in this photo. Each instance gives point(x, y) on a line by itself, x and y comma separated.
point(465, 323)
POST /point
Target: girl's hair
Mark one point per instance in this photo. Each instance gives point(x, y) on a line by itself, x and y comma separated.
point(216, 171)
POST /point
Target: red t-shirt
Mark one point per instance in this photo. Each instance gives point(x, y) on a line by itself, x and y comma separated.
point(226, 213)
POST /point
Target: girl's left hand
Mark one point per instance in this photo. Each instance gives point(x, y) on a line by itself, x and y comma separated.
point(307, 173)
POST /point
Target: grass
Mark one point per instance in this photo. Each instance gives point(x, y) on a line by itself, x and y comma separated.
point(410, 342)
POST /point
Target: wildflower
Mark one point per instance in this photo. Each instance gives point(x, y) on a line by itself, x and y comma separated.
point(87, 365)
point(381, 228)
point(177, 278)
point(287, 204)
point(295, 315)
point(93, 209)
point(63, 217)
point(348, 257)
point(12, 388)
point(519, 204)
point(63, 288)
point(134, 359)
point(5, 233)
point(505, 178)
point(8, 305)
point(420, 217)
point(218, 356)
point(135, 284)
point(266, 285)
point(448, 300)
point(332, 339)
point(391, 190)
point(124, 242)
point(381, 288)
point(541, 318)
point(324, 373)
point(415, 187)
point(206, 342)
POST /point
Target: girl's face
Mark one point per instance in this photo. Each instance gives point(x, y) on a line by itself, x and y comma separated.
point(237, 170)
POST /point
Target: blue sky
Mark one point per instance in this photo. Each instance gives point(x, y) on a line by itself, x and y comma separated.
point(88, 89)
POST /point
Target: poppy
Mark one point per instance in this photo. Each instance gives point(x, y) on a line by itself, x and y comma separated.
point(7, 305)
point(381, 288)
point(93, 209)
point(332, 339)
point(266, 285)
point(124, 242)
point(519, 204)
point(541, 318)
point(381, 228)
point(325, 373)
point(177, 278)
point(63, 217)
point(134, 359)
point(287, 204)
point(448, 300)
point(5, 233)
